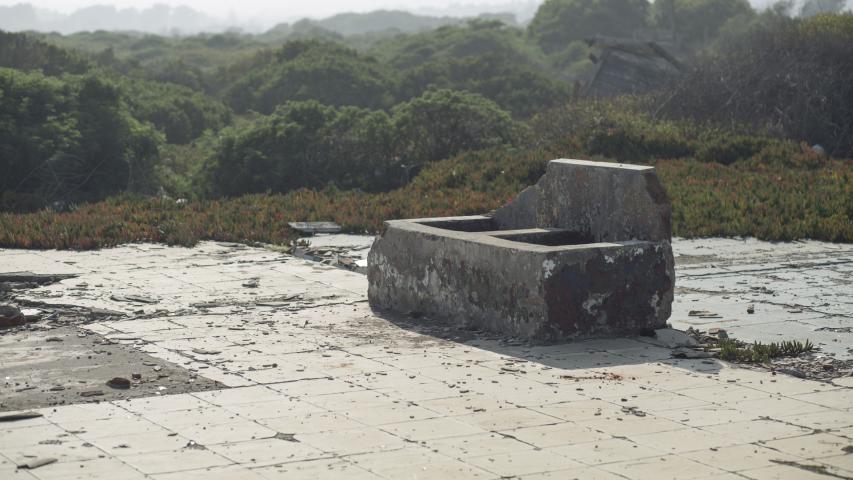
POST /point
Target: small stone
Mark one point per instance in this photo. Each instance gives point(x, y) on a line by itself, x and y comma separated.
point(11, 317)
point(288, 437)
point(792, 372)
point(119, 383)
point(750, 309)
point(136, 376)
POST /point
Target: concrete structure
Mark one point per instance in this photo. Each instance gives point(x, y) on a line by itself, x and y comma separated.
point(583, 253)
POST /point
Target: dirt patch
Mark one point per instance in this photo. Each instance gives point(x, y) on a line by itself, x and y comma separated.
point(48, 360)
point(66, 365)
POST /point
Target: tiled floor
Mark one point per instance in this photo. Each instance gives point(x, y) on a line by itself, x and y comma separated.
point(324, 388)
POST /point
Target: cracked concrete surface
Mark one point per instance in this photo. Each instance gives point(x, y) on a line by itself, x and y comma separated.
point(319, 386)
point(798, 289)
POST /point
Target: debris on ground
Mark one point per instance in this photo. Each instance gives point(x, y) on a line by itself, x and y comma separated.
point(119, 383)
point(792, 357)
point(37, 462)
point(23, 278)
point(287, 437)
point(134, 298)
point(11, 316)
point(340, 257)
point(204, 351)
point(685, 352)
point(19, 416)
point(675, 338)
point(312, 228)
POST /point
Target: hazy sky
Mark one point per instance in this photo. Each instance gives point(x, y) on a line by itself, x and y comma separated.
point(244, 9)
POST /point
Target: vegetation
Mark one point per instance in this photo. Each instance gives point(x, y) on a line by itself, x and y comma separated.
point(559, 22)
point(181, 113)
point(26, 53)
point(790, 77)
point(692, 23)
point(755, 203)
point(735, 351)
point(327, 121)
point(312, 70)
point(69, 136)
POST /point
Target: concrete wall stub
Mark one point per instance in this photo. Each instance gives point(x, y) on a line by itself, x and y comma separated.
point(609, 201)
point(583, 253)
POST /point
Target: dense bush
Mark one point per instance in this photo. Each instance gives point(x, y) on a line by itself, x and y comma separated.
point(181, 113)
point(515, 87)
point(70, 137)
point(307, 144)
point(728, 149)
point(620, 129)
point(24, 52)
point(560, 22)
point(311, 70)
point(695, 23)
point(785, 77)
point(442, 123)
point(303, 144)
point(473, 39)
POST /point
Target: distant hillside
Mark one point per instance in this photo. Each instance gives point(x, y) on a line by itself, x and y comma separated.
point(156, 19)
point(371, 23)
point(165, 20)
point(381, 20)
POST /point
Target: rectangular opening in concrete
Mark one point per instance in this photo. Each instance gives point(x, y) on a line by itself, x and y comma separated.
point(552, 238)
point(479, 224)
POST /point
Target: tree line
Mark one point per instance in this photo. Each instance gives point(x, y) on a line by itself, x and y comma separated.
point(87, 115)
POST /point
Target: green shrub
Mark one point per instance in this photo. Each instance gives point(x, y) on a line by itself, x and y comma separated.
point(728, 149)
point(310, 70)
point(618, 129)
point(181, 113)
point(71, 137)
point(787, 77)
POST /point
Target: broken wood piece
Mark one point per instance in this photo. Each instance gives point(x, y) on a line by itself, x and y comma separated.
point(12, 417)
point(315, 227)
point(203, 351)
point(133, 298)
point(37, 462)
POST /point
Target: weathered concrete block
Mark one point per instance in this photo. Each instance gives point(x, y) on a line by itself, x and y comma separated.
point(584, 252)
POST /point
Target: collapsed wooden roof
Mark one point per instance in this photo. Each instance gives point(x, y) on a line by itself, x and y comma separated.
point(630, 66)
